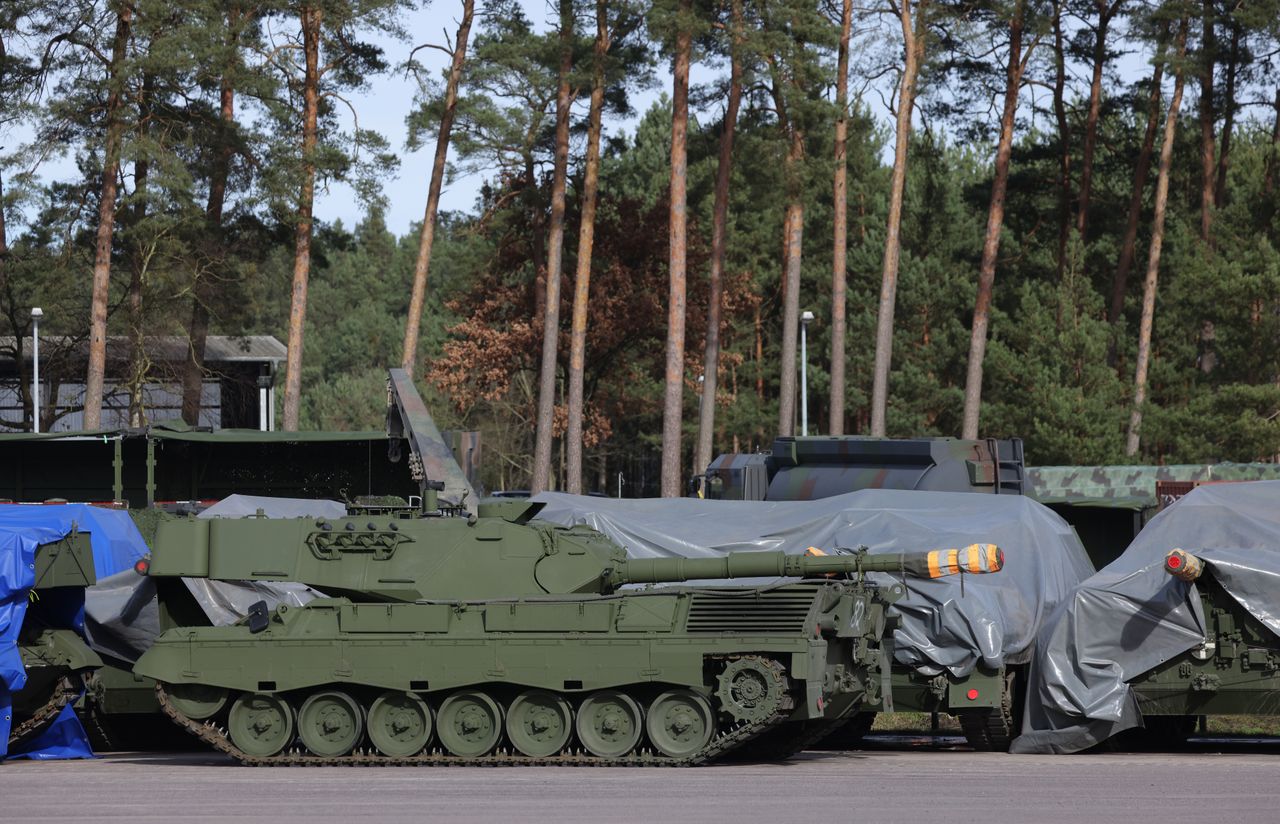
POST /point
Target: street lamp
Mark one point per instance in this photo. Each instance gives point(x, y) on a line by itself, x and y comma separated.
point(806, 318)
point(36, 314)
point(702, 387)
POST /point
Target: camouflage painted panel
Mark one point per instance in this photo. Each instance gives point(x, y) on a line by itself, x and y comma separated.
point(1131, 487)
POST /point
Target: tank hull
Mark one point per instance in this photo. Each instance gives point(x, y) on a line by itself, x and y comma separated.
point(752, 659)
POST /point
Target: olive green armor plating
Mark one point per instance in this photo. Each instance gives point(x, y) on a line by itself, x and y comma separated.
point(58, 662)
point(1234, 671)
point(495, 640)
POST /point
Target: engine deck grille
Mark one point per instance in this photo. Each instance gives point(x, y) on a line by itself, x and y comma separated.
point(771, 611)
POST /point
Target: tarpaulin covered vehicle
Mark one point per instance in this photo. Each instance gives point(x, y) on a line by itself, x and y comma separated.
point(48, 555)
point(962, 642)
point(1135, 646)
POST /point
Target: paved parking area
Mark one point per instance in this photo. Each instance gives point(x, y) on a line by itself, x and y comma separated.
point(881, 785)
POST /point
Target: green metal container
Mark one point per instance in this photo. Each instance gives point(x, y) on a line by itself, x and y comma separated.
point(493, 639)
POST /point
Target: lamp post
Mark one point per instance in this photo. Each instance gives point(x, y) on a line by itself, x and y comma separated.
point(702, 384)
point(805, 319)
point(36, 314)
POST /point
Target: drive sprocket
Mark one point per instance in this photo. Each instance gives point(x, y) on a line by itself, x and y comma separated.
point(751, 688)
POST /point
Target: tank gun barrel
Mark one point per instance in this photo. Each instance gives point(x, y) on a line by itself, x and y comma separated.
point(974, 559)
point(1183, 565)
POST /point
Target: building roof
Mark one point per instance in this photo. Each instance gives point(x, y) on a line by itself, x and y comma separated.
point(169, 348)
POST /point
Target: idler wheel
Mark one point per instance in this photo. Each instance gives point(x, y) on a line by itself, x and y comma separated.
point(469, 724)
point(330, 723)
point(260, 724)
point(539, 723)
point(197, 701)
point(399, 724)
point(680, 723)
point(609, 724)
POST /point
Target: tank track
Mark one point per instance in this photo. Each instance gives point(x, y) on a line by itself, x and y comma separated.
point(779, 743)
point(720, 745)
point(67, 690)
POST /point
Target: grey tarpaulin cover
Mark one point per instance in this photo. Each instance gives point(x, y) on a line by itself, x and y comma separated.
point(124, 619)
point(1133, 616)
point(993, 623)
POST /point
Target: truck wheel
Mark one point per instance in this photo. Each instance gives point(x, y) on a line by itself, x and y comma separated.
point(993, 729)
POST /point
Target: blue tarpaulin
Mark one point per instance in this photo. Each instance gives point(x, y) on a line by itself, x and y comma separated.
point(116, 545)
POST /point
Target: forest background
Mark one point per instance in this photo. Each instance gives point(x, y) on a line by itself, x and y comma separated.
point(1047, 220)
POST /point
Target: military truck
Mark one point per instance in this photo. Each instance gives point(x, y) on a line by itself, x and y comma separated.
point(806, 468)
point(59, 664)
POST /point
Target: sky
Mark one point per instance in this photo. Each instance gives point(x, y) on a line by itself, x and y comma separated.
point(389, 98)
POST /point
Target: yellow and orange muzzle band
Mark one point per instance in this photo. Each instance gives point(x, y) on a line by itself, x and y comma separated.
point(975, 559)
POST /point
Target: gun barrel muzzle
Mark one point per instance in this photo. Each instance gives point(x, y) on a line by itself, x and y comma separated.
point(1183, 565)
point(974, 559)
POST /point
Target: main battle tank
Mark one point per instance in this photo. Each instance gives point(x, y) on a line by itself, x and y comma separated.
point(490, 639)
point(59, 664)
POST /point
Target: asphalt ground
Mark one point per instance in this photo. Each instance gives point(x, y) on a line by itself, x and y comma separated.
point(901, 780)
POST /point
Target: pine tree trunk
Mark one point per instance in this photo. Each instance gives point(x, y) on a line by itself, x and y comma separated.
point(1064, 138)
point(310, 19)
point(198, 330)
point(1091, 119)
point(719, 223)
point(4, 236)
point(1208, 55)
point(426, 238)
point(793, 228)
point(1133, 437)
point(1128, 246)
point(673, 396)
point(582, 275)
point(840, 206)
point(1229, 119)
point(136, 381)
point(537, 240)
point(995, 220)
point(94, 379)
point(555, 248)
point(913, 48)
point(1269, 181)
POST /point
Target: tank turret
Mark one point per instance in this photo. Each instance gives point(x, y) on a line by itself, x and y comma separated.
point(1183, 565)
point(499, 553)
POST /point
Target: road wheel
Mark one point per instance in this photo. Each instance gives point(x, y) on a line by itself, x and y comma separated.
point(680, 723)
point(197, 701)
point(469, 724)
point(330, 723)
point(399, 724)
point(260, 724)
point(539, 723)
point(609, 724)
